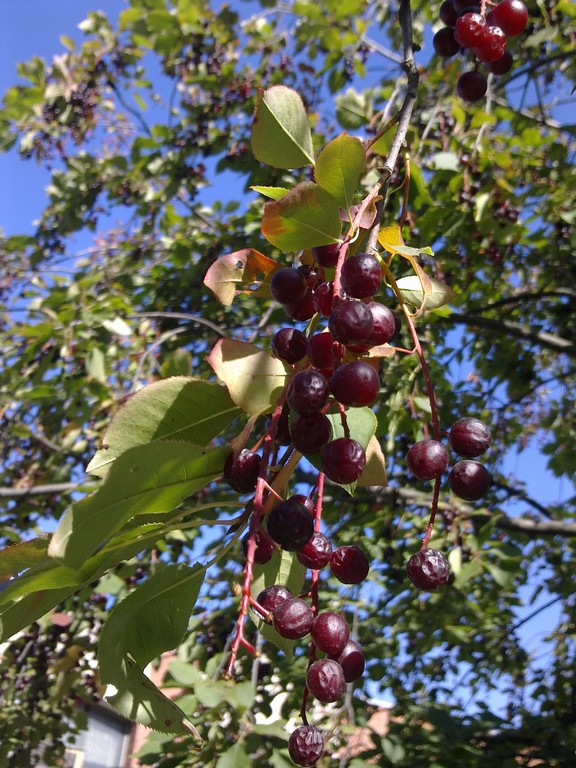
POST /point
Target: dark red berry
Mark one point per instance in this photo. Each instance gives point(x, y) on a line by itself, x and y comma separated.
point(323, 352)
point(511, 16)
point(445, 44)
point(428, 569)
point(470, 30)
point(290, 524)
point(289, 345)
point(361, 276)
point(323, 296)
point(288, 286)
point(351, 659)
point(492, 47)
point(271, 597)
point(349, 564)
point(330, 632)
point(293, 618)
point(326, 255)
point(471, 86)
point(264, 547)
point(465, 6)
point(311, 433)
point(283, 436)
point(470, 437)
point(469, 480)
point(316, 553)
point(303, 309)
point(447, 13)
point(351, 322)
point(306, 500)
point(241, 472)
point(325, 680)
point(427, 459)
point(343, 460)
point(306, 745)
point(355, 384)
point(502, 65)
point(308, 392)
point(385, 326)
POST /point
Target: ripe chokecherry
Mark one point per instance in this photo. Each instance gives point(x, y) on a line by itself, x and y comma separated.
point(469, 480)
point(503, 65)
point(427, 459)
point(264, 547)
point(355, 384)
point(316, 553)
point(361, 276)
point(306, 745)
point(311, 433)
point(325, 680)
point(293, 618)
point(349, 564)
point(470, 30)
point(330, 632)
point(428, 569)
point(469, 437)
point(290, 524)
point(343, 460)
point(288, 285)
point(350, 322)
point(445, 44)
point(271, 597)
point(308, 392)
point(511, 16)
point(323, 295)
point(492, 47)
point(326, 255)
point(241, 471)
point(351, 659)
point(385, 326)
point(323, 350)
point(471, 86)
point(289, 344)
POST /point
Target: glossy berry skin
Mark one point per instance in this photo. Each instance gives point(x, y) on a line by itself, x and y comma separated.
point(308, 392)
point(343, 460)
point(470, 437)
point(385, 326)
point(325, 680)
point(471, 86)
point(503, 65)
point(271, 597)
point(326, 255)
point(330, 633)
point(361, 276)
point(289, 345)
point(428, 569)
point(349, 564)
point(350, 322)
point(311, 433)
point(447, 13)
point(264, 547)
point(470, 30)
point(427, 459)
point(511, 16)
point(303, 309)
point(445, 44)
point(351, 659)
point(469, 480)
point(323, 295)
point(355, 384)
point(322, 351)
point(292, 618)
point(288, 285)
point(492, 47)
point(290, 524)
point(241, 472)
point(306, 745)
point(316, 553)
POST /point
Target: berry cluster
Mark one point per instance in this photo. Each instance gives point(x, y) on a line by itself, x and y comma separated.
point(469, 27)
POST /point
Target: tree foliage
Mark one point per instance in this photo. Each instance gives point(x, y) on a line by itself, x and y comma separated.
point(193, 151)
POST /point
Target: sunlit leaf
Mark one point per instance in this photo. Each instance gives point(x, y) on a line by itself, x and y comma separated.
point(281, 135)
point(245, 271)
point(411, 290)
point(339, 167)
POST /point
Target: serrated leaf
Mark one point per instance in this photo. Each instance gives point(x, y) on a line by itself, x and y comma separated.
point(306, 217)
point(245, 271)
point(149, 621)
point(253, 376)
point(182, 408)
point(281, 135)
point(274, 193)
point(339, 167)
point(146, 479)
point(411, 290)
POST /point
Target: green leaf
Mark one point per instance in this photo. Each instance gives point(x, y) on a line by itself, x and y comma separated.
point(305, 217)
point(253, 376)
point(234, 757)
point(20, 556)
point(274, 193)
point(147, 479)
point(179, 408)
point(151, 620)
point(353, 109)
point(281, 135)
point(411, 290)
point(15, 616)
point(339, 168)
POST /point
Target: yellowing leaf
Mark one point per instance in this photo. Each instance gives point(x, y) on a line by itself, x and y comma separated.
point(253, 376)
point(239, 272)
point(390, 238)
point(375, 470)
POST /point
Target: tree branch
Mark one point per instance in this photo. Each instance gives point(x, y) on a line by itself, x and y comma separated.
point(39, 490)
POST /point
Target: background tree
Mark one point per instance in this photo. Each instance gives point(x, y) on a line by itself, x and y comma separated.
point(138, 125)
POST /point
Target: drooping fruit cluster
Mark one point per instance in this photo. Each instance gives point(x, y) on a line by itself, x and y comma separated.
point(469, 28)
